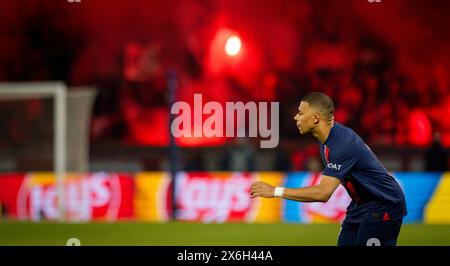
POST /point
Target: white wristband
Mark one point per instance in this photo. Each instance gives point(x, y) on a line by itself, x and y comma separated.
point(278, 193)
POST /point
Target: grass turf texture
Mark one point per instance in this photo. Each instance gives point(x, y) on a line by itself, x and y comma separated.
point(185, 234)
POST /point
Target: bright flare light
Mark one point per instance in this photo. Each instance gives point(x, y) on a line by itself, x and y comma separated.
point(233, 46)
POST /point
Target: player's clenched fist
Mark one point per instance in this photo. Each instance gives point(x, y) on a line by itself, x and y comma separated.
point(261, 189)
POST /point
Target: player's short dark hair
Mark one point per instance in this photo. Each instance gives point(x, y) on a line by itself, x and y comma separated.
point(322, 102)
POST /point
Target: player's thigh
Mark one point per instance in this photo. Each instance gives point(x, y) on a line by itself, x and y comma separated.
point(384, 233)
point(347, 234)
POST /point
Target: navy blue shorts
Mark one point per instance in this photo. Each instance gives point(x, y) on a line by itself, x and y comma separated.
point(372, 231)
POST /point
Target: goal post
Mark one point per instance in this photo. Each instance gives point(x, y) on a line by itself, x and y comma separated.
point(56, 139)
point(56, 90)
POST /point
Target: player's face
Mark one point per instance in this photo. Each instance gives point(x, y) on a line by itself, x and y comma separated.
point(304, 118)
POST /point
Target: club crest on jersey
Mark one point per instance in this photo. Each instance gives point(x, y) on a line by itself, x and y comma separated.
point(334, 166)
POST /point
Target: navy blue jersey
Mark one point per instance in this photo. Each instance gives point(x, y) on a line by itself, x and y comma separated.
point(366, 180)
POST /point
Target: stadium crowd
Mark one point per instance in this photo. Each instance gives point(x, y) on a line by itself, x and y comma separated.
point(388, 97)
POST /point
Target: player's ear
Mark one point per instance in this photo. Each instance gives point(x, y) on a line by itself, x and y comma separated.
point(316, 118)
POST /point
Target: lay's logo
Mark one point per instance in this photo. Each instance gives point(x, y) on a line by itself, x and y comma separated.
point(209, 197)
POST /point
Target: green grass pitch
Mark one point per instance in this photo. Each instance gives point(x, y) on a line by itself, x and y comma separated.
point(197, 234)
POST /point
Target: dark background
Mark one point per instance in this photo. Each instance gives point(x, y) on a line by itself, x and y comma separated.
point(386, 65)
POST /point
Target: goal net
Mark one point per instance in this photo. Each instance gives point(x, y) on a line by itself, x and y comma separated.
point(45, 127)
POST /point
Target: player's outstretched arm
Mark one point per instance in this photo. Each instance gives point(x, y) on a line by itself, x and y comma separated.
point(317, 193)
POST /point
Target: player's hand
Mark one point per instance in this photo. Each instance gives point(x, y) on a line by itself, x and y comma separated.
point(261, 189)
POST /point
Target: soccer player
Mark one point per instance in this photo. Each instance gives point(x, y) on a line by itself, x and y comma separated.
point(375, 215)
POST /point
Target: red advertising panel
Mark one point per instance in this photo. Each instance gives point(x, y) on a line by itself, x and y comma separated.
point(104, 196)
point(213, 197)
